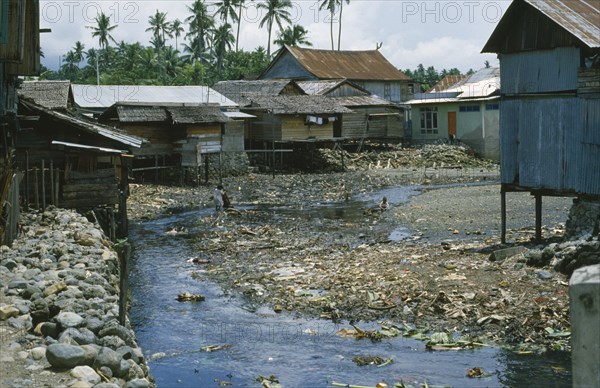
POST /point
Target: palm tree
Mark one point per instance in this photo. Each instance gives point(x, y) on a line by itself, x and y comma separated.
point(176, 30)
point(276, 11)
point(159, 26)
point(293, 36)
point(240, 4)
point(330, 6)
point(222, 41)
point(201, 24)
point(225, 10)
point(78, 51)
point(103, 29)
point(340, 25)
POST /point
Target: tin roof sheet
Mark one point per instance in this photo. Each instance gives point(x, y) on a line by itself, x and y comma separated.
point(104, 96)
point(353, 65)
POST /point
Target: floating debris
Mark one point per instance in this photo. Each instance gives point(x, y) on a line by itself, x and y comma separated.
point(269, 382)
point(214, 348)
point(187, 297)
point(371, 360)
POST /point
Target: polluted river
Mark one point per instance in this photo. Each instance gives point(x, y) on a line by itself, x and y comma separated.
point(233, 339)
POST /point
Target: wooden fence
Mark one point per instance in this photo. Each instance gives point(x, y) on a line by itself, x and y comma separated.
point(10, 208)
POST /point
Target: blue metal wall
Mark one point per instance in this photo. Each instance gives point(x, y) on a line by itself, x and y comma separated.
point(540, 71)
point(551, 143)
point(287, 67)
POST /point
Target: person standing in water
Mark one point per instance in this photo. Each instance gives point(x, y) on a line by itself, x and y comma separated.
point(218, 197)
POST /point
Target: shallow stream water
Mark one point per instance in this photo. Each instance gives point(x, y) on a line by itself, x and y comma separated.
point(303, 353)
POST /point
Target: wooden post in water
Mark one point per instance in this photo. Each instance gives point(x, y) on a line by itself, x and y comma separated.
point(503, 214)
point(43, 185)
point(51, 171)
point(35, 188)
point(123, 252)
point(156, 169)
point(57, 186)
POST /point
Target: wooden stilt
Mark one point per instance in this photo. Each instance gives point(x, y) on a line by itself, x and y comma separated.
point(51, 171)
point(538, 217)
point(503, 215)
point(43, 185)
point(36, 188)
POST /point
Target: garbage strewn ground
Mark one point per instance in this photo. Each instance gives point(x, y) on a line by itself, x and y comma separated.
point(438, 279)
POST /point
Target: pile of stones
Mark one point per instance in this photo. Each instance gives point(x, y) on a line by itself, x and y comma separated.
point(59, 288)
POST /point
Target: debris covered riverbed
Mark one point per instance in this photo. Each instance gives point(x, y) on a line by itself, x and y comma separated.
point(278, 249)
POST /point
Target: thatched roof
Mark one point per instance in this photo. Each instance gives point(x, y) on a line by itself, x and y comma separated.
point(295, 104)
point(197, 114)
point(172, 113)
point(49, 94)
point(141, 114)
point(234, 90)
point(372, 100)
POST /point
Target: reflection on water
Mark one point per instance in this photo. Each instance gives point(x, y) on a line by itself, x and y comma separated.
point(300, 352)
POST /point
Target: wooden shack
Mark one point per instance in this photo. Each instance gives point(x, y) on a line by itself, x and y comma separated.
point(550, 99)
point(292, 118)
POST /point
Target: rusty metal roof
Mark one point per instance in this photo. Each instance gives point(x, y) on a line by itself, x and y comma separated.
point(580, 18)
point(447, 82)
point(353, 65)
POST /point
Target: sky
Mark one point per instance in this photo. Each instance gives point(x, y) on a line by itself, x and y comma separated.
point(444, 34)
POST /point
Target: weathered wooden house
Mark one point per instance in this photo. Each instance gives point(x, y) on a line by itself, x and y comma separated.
point(550, 99)
point(368, 69)
point(372, 117)
point(19, 56)
point(467, 110)
point(179, 135)
point(292, 118)
point(234, 90)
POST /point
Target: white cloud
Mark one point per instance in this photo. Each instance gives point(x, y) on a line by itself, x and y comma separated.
point(443, 34)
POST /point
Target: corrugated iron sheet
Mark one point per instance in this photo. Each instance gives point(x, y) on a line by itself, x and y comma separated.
point(103, 96)
point(356, 65)
point(551, 143)
point(540, 71)
point(580, 17)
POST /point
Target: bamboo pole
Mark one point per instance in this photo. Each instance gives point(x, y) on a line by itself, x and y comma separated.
point(57, 186)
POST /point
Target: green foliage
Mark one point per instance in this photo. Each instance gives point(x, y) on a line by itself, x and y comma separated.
point(430, 76)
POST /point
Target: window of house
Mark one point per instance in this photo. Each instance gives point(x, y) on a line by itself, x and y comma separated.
point(387, 91)
point(429, 120)
point(495, 106)
point(469, 108)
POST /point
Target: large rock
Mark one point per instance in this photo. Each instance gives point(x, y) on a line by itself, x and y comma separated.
point(8, 312)
point(109, 358)
point(67, 319)
point(65, 356)
point(86, 374)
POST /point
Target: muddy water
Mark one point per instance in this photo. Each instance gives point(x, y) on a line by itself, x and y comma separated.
point(299, 352)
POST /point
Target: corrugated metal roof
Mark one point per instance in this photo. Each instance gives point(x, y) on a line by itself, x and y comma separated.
point(90, 127)
point(238, 115)
point(447, 82)
point(49, 94)
point(88, 147)
point(353, 65)
point(104, 96)
point(481, 85)
point(579, 17)
point(319, 87)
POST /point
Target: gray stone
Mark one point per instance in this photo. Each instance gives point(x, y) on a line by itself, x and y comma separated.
point(91, 352)
point(107, 385)
point(18, 284)
point(135, 372)
point(9, 264)
point(137, 383)
point(109, 358)
point(65, 356)
point(68, 319)
point(113, 328)
point(86, 374)
point(502, 254)
point(94, 324)
point(38, 353)
point(544, 275)
point(111, 341)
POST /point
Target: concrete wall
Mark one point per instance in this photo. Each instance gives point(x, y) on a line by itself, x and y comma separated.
point(584, 295)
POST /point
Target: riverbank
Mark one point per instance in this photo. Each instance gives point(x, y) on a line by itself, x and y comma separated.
point(59, 308)
point(439, 277)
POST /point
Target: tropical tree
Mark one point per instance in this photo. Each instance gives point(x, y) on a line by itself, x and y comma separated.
point(78, 51)
point(276, 11)
point(222, 41)
point(102, 30)
point(226, 10)
point(69, 67)
point(330, 6)
point(340, 25)
point(160, 27)
point(176, 30)
point(201, 23)
point(293, 36)
point(240, 5)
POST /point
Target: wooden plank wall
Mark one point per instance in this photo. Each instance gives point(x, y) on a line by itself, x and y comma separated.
point(294, 128)
point(90, 189)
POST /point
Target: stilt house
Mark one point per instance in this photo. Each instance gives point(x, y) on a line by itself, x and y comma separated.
point(549, 54)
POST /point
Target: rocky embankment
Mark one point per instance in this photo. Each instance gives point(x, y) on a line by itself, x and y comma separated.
point(59, 308)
